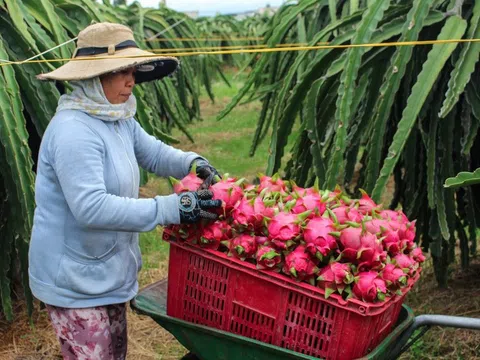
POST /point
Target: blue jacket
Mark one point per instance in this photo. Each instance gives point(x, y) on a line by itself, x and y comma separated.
point(84, 247)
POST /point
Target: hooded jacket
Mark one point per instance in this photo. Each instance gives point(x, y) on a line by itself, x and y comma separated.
point(84, 249)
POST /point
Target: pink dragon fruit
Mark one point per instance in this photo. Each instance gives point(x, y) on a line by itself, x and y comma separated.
point(300, 265)
point(369, 287)
point(190, 232)
point(317, 237)
point(191, 182)
point(268, 258)
point(244, 214)
point(312, 202)
point(344, 213)
point(391, 242)
point(272, 184)
point(261, 240)
point(417, 255)
point(243, 246)
point(171, 232)
point(284, 228)
point(229, 191)
point(334, 278)
point(365, 204)
point(213, 233)
point(376, 226)
point(407, 232)
point(361, 247)
point(398, 216)
point(406, 263)
point(394, 277)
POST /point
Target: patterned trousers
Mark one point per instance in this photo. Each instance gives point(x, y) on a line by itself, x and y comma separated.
point(98, 333)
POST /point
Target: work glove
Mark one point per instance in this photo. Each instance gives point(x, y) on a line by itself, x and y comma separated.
point(206, 172)
point(193, 206)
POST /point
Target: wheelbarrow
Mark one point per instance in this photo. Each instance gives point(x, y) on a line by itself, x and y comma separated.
point(206, 343)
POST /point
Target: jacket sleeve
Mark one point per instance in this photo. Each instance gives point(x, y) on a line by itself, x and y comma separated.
point(78, 153)
point(159, 158)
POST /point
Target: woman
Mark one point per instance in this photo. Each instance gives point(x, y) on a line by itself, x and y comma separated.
point(84, 255)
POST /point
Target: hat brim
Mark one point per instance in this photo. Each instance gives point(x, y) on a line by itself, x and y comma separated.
point(93, 66)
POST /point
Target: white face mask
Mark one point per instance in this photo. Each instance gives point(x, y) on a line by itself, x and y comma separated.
point(88, 96)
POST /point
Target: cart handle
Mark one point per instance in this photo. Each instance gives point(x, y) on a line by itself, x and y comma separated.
point(428, 321)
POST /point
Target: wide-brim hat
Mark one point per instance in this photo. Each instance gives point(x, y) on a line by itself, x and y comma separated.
point(106, 47)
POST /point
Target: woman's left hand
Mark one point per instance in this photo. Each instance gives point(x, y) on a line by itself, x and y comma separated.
point(206, 172)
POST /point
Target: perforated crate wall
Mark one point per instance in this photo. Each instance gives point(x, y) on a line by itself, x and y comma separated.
point(208, 288)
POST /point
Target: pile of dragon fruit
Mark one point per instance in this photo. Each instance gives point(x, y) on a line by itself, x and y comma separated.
point(350, 247)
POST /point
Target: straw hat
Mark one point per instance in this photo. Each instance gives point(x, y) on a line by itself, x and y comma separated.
point(108, 41)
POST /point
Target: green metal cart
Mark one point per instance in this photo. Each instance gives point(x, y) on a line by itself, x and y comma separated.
point(206, 343)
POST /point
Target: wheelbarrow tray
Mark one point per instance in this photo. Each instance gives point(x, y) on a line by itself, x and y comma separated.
point(211, 344)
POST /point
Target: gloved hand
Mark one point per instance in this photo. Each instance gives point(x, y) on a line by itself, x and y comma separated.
point(206, 172)
point(193, 206)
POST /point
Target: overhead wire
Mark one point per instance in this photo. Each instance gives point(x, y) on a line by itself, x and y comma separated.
point(243, 51)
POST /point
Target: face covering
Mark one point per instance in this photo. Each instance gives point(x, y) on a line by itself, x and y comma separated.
point(88, 96)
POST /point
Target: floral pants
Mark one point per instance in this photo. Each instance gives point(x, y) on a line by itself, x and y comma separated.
point(98, 333)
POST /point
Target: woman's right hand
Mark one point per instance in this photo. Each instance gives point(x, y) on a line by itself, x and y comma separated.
point(193, 206)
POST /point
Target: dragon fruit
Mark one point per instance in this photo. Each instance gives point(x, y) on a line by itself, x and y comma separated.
point(365, 204)
point(229, 191)
point(300, 265)
point(317, 237)
point(268, 258)
point(393, 276)
point(272, 184)
point(311, 202)
point(334, 278)
point(244, 214)
point(396, 215)
point(376, 226)
point(213, 233)
point(407, 232)
point(284, 228)
point(369, 287)
point(344, 213)
point(391, 242)
point(361, 247)
point(406, 263)
point(191, 182)
point(243, 246)
point(417, 255)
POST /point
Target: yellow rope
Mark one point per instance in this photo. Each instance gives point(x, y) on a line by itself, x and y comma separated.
point(266, 50)
point(206, 39)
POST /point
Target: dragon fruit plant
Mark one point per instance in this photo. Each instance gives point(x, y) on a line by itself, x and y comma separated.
point(351, 248)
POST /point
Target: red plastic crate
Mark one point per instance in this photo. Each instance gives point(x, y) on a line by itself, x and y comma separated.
point(209, 288)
